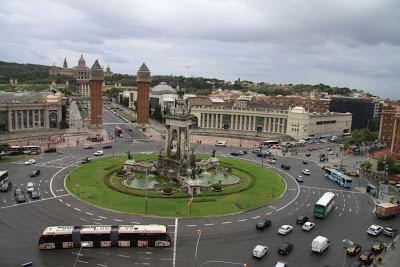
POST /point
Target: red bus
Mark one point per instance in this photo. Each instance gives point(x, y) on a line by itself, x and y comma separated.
point(152, 235)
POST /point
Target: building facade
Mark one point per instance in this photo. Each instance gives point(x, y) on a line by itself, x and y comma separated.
point(296, 123)
point(389, 131)
point(362, 110)
point(29, 111)
point(81, 73)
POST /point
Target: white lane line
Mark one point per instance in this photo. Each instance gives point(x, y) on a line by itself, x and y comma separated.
point(297, 208)
point(242, 220)
point(169, 225)
point(69, 205)
point(255, 217)
point(82, 261)
point(162, 259)
point(102, 217)
point(96, 222)
point(32, 202)
point(146, 252)
point(118, 220)
point(51, 180)
point(350, 210)
point(340, 214)
point(101, 265)
point(77, 209)
point(290, 213)
point(308, 205)
point(191, 225)
point(83, 219)
point(344, 204)
point(268, 213)
point(77, 254)
point(336, 208)
point(123, 256)
point(226, 222)
point(88, 213)
point(209, 224)
point(139, 223)
point(61, 200)
point(175, 241)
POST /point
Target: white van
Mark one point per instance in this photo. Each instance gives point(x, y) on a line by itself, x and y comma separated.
point(220, 143)
point(319, 244)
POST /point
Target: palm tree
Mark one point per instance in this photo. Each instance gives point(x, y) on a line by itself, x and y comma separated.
point(366, 167)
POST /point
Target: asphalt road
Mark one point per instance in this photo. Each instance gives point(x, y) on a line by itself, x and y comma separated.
point(228, 238)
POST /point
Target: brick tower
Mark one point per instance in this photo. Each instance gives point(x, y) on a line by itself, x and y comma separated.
point(96, 101)
point(143, 79)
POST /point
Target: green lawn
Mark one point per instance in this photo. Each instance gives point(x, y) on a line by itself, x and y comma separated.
point(13, 158)
point(255, 191)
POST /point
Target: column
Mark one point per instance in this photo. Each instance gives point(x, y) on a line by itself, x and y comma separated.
point(27, 118)
point(271, 124)
point(265, 124)
point(46, 118)
point(9, 120)
point(240, 122)
point(254, 123)
point(231, 126)
point(16, 119)
point(21, 119)
point(212, 120)
point(221, 122)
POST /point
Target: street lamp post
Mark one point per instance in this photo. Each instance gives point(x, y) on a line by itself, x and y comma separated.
point(197, 245)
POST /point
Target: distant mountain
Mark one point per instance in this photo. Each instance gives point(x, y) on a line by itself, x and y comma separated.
point(24, 73)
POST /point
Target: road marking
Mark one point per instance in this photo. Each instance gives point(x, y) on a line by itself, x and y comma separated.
point(268, 213)
point(123, 256)
point(82, 261)
point(77, 209)
point(176, 241)
point(69, 205)
point(350, 210)
point(96, 222)
point(256, 217)
point(101, 265)
point(330, 189)
point(209, 224)
point(162, 259)
point(88, 213)
point(118, 220)
point(51, 180)
point(191, 225)
point(59, 190)
point(77, 254)
point(139, 223)
point(146, 252)
point(169, 225)
point(31, 202)
point(83, 219)
point(242, 220)
point(348, 196)
point(61, 200)
point(336, 208)
point(290, 213)
point(226, 222)
point(298, 208)
point(344, 204)
point(308, 205)
point(102, 217)
point(340, 214)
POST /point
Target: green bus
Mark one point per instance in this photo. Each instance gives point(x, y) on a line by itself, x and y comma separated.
point(324, 205)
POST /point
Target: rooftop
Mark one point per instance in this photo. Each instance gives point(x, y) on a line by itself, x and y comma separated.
point(24, 97)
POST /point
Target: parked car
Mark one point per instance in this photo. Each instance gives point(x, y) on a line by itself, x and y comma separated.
point(107, 146)
point(331, 153)
point(50, 150)
point(319, 244)
point(35, 194)
point(375, 230)
point(272, 161)
point(378, 247)
point(35, 173)
point(85, 160)
point(390, 231)
point(305, 162)
point(235, 153)
point(285, 248)
point(367, 256)
point(285, 229)
point(261, 225)
point(5, 186)
point(98, 153)
point(256, 150)
point(29, 162)
point(259, 251)
point(305, 171)
point(20, 198)
point(353, 249)
point(88, 147)
point(281, 264)
point(307, 226)
point(299, 178)
point(285, 167)
point(30, 186)
point(302, 220)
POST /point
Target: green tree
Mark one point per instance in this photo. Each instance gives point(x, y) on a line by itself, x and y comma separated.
point(362, 136)
point(365, 166)
point(392, 166)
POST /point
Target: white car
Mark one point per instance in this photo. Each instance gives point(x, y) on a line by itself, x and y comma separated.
point(98, 153)
point(285, 229)
point(307, 226)
point(272, 161)
point(305, 171)
point(220, 143)
point(30, 186)
point(259, 251)
point(281, 264)
point(331, 153)
point(375, 230)
point(29, 162)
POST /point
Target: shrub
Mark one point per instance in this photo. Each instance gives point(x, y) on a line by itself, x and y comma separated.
point(121, 172)
point(217, 187)
point(167, 190)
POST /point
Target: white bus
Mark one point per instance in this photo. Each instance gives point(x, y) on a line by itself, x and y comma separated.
point(324, 205)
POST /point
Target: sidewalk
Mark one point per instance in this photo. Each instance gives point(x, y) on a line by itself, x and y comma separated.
point(391, 257)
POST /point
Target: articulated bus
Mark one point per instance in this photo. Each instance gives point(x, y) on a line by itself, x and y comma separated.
point(269, 143)
point(338, 177)
point(324, 205)
point(31, 150)
point(152, 235)
point(3, 176)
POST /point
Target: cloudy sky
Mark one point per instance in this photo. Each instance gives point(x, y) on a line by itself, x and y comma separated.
point(344, 43)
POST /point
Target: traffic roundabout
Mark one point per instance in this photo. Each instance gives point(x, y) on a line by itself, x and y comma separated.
point(98, 183)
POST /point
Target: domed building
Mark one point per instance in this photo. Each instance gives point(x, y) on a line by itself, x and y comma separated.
point(162, 89)
point(161, 93)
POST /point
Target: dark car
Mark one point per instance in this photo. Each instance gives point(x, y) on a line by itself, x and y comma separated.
point(88, 147)
point(35, 173)
point(353, 249)
point(235, 154)
point(20, 198)
point(302, 219)
point(6, 186)
point(390, 231)
point(305, 162)
point(50, 150)
point(299, 179)
point(367, 256)
point(285, 248)
point(243, 152)
point(261, 225)
point(18, 190)
point(35, 194)
point(285, 167)
point(308, 154)
point(107, 146)
point(378, 247)
point(358, 263)
point(263, 154)
point(85, 160)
